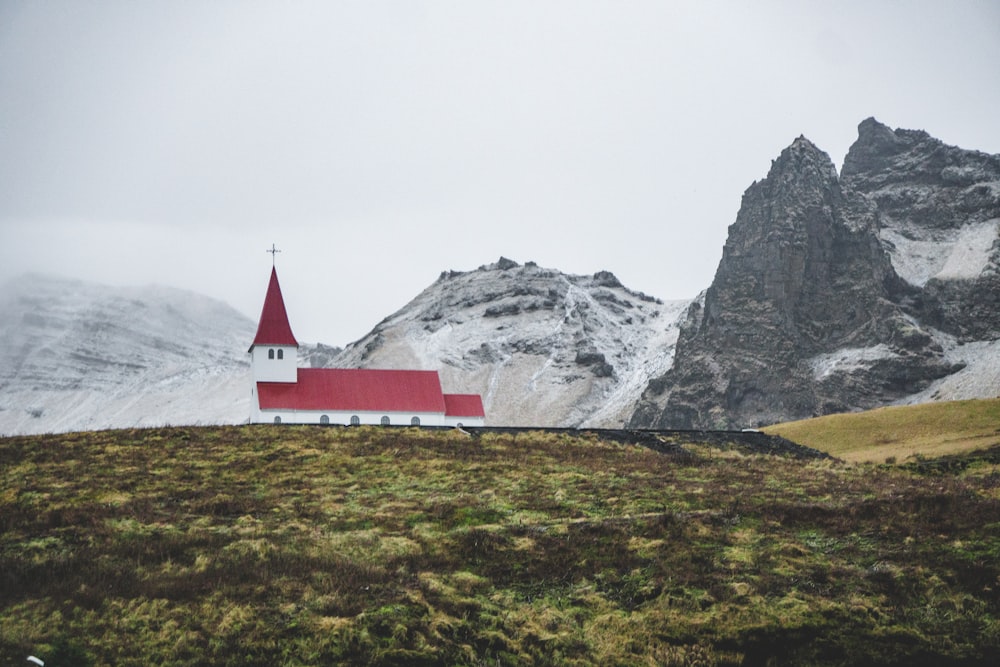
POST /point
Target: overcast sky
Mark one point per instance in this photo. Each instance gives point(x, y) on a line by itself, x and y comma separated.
point(380, 143)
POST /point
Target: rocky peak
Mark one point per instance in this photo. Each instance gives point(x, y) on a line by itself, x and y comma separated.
point(939, 219)
point(789, 245)
point(803, 159)
point(912, 176)
point(881, 156)
point(502, 264)
point(803, 275)
point(873, 149)
point(800, 170)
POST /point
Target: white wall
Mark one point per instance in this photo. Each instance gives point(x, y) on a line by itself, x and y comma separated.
point(464, 421)
point(274, 370)
point(344, 418)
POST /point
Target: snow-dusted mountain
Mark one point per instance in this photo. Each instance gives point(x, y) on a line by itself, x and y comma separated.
point(835, 292)
point(845, 292)
point(939, 214)
point(82, 356)
point(540, 346)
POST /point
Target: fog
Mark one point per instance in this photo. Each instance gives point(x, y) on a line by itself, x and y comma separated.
point(380, 143)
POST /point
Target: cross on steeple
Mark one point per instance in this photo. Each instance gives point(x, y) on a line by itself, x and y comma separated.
point(273, 250)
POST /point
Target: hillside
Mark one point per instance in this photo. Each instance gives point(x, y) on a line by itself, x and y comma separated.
point(307, 545)
point(542, 347)
point(901, 432)
point(79, 356)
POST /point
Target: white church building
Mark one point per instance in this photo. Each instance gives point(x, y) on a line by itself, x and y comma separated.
point(283, 393)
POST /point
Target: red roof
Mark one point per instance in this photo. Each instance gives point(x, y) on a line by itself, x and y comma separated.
point(464, 405)
point(355, 389)
point(273, 328)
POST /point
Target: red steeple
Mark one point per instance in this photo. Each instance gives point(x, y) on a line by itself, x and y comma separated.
point(273, 328)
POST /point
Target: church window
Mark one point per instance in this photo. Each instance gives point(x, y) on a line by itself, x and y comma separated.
point(415, 421)
point(385, 420)
point(324, 420)
point(277, 420)
point(355, 420)
point(281, 354)
point(270, 354)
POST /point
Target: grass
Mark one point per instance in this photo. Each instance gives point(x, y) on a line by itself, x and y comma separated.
point(306, 545)
point(899, 433)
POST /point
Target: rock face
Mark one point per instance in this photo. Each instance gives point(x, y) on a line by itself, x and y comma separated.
point(540, 346)
point(836, 294)
point(939, 212)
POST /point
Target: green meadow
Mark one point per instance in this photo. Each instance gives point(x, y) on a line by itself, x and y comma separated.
point(381, 546)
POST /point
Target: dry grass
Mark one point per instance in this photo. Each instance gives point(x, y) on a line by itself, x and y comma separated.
point(900, 433)
point(307, 545)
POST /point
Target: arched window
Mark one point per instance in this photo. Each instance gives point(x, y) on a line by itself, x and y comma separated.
point(385, 420)
point(324, 420)
point(277, 419)
point(281, 354)
point(415, 421)
point(270, 353)
point(355, 420)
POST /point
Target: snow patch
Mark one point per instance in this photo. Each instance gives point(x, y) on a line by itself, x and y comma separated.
point(847, 359)
point(979, 379)
point(971, 252)
point(951, 254)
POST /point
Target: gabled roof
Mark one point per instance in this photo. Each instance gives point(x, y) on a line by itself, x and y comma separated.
point(273, 328)
point(355, 389)
point(464, 405)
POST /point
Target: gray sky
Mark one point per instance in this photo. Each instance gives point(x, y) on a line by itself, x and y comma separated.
point(380, 143)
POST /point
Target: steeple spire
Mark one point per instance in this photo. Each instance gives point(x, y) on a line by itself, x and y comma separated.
point(273, 328)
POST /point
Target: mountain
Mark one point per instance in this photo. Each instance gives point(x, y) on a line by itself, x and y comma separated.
point(837, 293)
point(541, 347)
point(82, 356)
point(939, 213)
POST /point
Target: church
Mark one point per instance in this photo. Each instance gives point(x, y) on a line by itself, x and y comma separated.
point(283, 393)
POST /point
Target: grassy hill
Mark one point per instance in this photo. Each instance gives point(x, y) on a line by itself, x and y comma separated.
point(308, 546)
point(901, 433)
